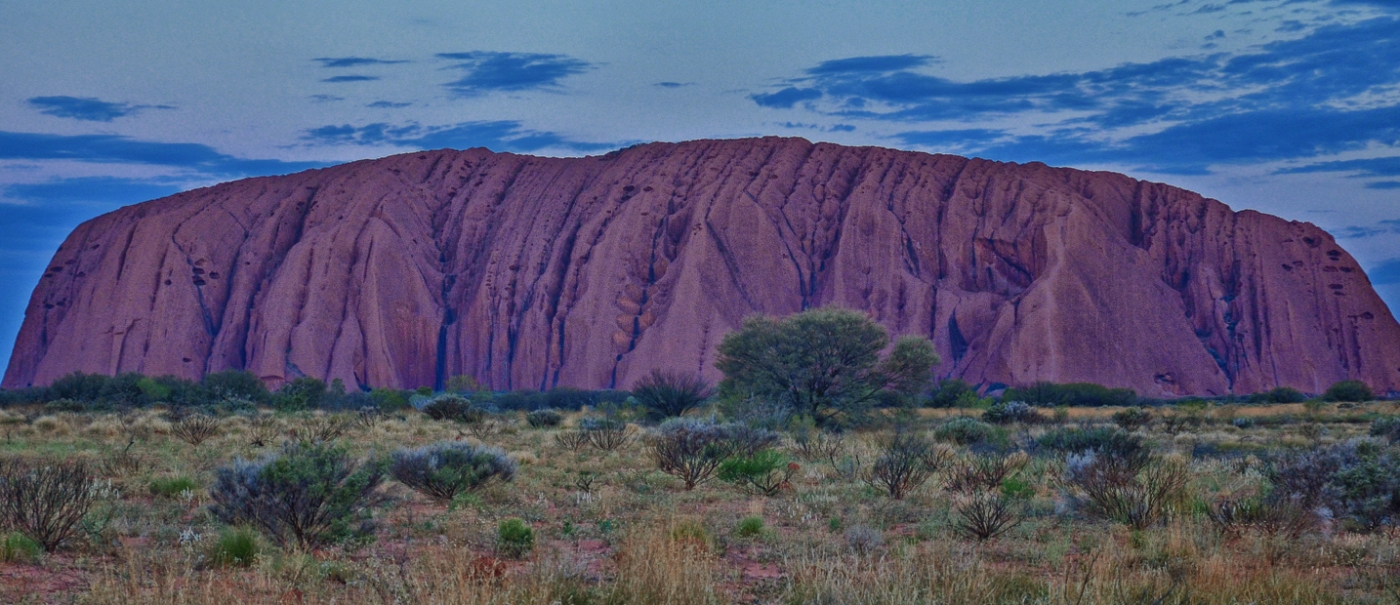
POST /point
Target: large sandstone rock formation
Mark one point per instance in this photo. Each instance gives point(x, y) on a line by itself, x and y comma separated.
point(530, 272)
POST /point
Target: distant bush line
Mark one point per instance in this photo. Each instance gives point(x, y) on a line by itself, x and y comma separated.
point(234, 389)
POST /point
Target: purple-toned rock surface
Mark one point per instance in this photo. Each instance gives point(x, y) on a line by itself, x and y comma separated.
point(530, 272)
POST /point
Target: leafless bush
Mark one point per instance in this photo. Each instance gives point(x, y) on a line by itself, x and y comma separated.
point(985, 515)
point(262, 431)
point(366, 418)
point(195, 429)
point(985, 472)
point(486, 429)
point(906, 461)
point(690, 450)
point(818, 446)
point(1137, 499)
point(572, 440)
point(324, 429)
point(122, 462)
point(1233, 516)
point(46, 500)
point(666, 394)
point(444, 470)
point(607, 434)
point(584, 481)
point(863, 540)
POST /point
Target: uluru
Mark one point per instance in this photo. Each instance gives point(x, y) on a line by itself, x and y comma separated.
point(536, 272)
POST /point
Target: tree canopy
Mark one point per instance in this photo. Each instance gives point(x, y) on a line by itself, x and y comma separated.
point(824, 363)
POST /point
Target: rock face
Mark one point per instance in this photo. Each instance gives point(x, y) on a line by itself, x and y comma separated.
point(531, 272)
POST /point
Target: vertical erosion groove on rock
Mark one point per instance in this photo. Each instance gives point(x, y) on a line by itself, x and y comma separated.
point(530, 272)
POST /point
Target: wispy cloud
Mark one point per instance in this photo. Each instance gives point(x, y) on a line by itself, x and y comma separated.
point(1329, 91)
point(87, 108)
point(1388, 227)
point(486, 71)
point(500, 135)
point(673, 84)
point(1367, 167)
point(339, 62)
point(387, 105)
point(104, 148)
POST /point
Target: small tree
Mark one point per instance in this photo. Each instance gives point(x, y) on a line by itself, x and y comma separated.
point(824, 363)
point(1349, 390)
point(666, 394)
point(303, 393)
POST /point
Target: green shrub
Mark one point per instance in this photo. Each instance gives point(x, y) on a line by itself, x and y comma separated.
point(1387, 427)
point(1017, 488)
point(171, 487)
point(948, 391)
point(389, 400)
point(1111, 441)
point(303, 393)
point(309, 495)
point(1008, 412)
point(764, 472)
point(544, 418)
point(445, 469)
point(1367, 484)
point(1349, 390)
point(749, 527)
point(1132, 419)
point(452, 407)
point(64, 405)
point(514, 538)
point(236, 546)
point(1279, 395)
point(969, 431)
point(16, 547)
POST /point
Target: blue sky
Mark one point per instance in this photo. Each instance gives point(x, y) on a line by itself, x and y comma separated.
point(1290, 107)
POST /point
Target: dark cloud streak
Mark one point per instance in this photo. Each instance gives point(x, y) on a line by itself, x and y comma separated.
point(353, 78)
point(339, 62)
point(87, 108)
point(105, 148)
point(486, 71)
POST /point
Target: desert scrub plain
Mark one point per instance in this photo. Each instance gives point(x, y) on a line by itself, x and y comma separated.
point(1192, 503)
